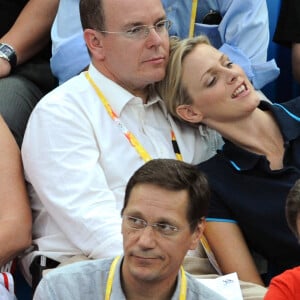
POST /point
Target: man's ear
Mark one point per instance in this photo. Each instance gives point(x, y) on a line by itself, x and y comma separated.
point(189, 114)
point(197, 234)
point(93, 40)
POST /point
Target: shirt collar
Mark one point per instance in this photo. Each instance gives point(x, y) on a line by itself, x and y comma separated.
point(287, 120)
point(289, 125)
point(117, 283)
point(116, 95)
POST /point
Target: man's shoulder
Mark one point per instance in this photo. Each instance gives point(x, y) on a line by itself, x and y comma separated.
point(74, 91)
point(78, 279)
point(196, 143)
point(82, 269)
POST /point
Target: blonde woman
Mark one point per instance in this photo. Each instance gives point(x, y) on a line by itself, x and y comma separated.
point(258, 164)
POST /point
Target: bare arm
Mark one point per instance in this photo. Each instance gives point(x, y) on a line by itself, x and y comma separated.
point(31, 31)
point(296, 61)
point(231, 251)
point(15, 213)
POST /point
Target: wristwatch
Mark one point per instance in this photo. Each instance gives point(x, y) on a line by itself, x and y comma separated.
point(8, 53)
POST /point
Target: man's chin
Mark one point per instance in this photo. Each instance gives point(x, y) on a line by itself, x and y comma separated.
point(144, 274)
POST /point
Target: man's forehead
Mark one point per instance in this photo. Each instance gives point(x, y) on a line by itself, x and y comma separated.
point(133, 11)
point(155, 197)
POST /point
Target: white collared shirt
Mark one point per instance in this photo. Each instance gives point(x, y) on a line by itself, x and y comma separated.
point(77, 162)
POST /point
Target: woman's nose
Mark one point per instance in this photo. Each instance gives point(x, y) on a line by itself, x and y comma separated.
point(231, 76)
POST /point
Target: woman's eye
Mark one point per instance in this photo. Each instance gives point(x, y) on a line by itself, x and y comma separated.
point(229, 64)
point(211, 82)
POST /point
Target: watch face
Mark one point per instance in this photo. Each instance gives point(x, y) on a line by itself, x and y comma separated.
point(6, 50)
point(8, 53)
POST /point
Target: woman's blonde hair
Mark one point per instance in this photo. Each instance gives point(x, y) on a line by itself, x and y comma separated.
point(170, 88)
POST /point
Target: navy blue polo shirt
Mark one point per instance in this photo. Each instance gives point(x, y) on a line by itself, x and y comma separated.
point(246, 191)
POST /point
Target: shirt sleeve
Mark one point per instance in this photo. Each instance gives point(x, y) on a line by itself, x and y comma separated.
point(243, 35)
point(219, 210)
point(244, 32)
point(62, 162)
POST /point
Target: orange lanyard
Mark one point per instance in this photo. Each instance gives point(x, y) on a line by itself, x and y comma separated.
point(111, 275)
point(129, 135)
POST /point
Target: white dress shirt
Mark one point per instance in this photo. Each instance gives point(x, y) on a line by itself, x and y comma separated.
point(77, 162)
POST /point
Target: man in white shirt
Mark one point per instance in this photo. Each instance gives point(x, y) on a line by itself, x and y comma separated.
point(86, 138)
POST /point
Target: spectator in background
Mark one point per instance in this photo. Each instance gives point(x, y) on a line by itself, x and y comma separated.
point(258, 164)
point(286, 286)
point(25, 74)
point(287, 32)
point(240, 29)
point(69, 51)
point(242, 33)
point(164, 209)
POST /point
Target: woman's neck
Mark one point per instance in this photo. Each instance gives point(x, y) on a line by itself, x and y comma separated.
point(259, 133)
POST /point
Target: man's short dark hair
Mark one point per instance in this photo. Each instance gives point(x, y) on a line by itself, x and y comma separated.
point(92, 14)
point(175, 175)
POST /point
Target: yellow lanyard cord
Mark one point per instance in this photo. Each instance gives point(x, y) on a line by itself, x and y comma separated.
point(183, 285)
point(110, 278)
point(130, 137)
point(175, 146)
point(193, 18)
point(111, 275)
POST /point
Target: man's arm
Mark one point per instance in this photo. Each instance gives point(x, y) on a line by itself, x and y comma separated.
point(31, 31)
point(62, 158)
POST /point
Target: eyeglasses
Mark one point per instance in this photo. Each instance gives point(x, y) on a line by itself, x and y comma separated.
point(139, 224)
point(142, 31)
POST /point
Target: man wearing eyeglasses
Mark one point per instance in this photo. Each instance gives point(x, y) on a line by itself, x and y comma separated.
point(163, 216)
point(239, 28)
point(87, 136)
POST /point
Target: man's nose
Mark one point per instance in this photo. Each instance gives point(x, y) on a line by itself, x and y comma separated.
point(147, 237)
point(154, 37)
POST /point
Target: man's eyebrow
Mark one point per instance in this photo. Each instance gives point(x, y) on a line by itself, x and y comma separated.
point(138, 23)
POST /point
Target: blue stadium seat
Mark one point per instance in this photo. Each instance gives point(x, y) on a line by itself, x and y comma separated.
point(284, 87)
